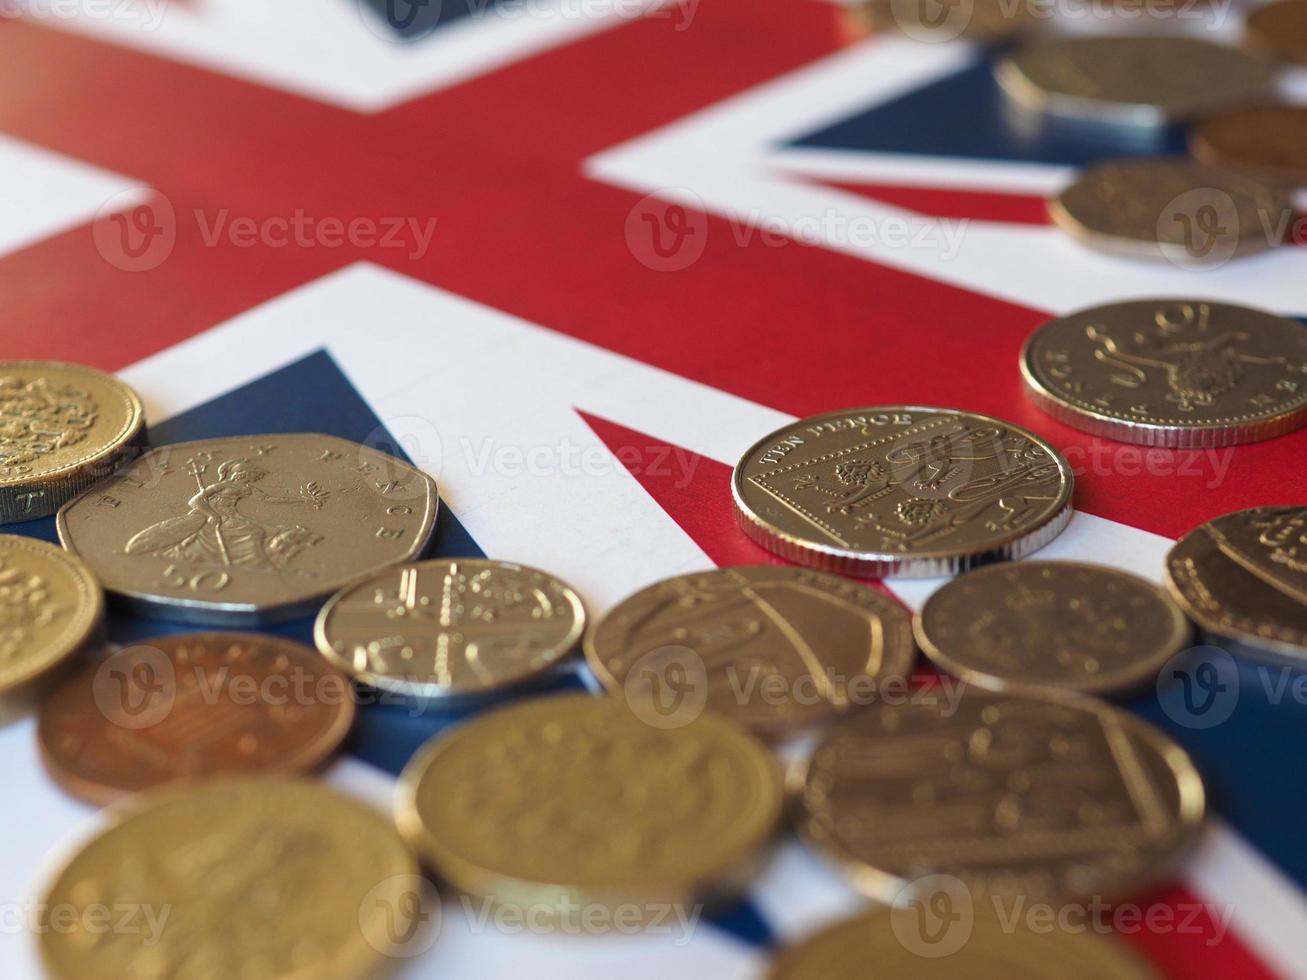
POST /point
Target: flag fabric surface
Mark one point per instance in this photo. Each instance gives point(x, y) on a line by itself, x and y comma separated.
point(572, 257)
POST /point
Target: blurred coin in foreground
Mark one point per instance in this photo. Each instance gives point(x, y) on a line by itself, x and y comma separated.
point(50, 607)
point(249, 530)
point(1243, 578)
point(1148, 81)
point(1279, 30)
point(1171, 372)
point(775, 648)
point(1049, 798)
point(1268, 141)
point(1028, 626)
point(193, 706)
point(571, 805)
point(901, 490)
point(450, 628)
point(234, 878)
point(930, 939)
point(1175, 210)
point(62, 427)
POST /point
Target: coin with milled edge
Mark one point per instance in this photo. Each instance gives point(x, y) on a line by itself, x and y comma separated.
point(50, 607)
point(902, 490)
point(1147, 81)
point(446, 628)
point(1268, 141)
point(1171, 372)
point(1243, 579)
point(1058, 797)
point(950, 941)
point(187, 707)
point(570, 800)
point(252, 877)
point(249, 530)
point(779, 648)
point(62, 427)
point(1175, 210)
point(1279, 30)
point(1032, 626)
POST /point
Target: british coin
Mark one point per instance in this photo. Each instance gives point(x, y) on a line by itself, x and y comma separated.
point(281, 879)
point(249, 530)
point(571, 800)
point(1243, 579)
point(445, 628)
point(776, 648)
point(935, 21)
point(1027, 627)
point(50, 608)
point(956, 941)
point(1171, 372)
point(1052, 798)
point(1268, 141)
point(1175, 210)
point(1145, 81)
point(62, 427)
point(902, 490)
point(1279, 30)
point(186, 707)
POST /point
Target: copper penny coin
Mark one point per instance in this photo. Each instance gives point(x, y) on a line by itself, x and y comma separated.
point(1266, 140)
point(1279, 30)
point(193, 706)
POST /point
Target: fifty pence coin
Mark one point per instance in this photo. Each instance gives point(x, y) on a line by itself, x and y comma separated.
point(1148, 81)
point(447, 628)
point(1243, 579)
point(1049, 798)
point(249, 530)
point(1268, 141)
point(1030, 626)
point(186, 707)
point(274, 878)
point(776, 648)
point(1171, 372)
point(1175, 210)
point(572, 801)
point(50, 607)
point(943, 936)
point(902, 490)
point(1279, 30)
point(62, 427)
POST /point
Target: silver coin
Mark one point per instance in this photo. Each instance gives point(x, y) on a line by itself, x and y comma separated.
point(249, 530)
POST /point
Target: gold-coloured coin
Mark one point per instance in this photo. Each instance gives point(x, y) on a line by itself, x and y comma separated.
point(1176, 210)
point(249, 530)
point(902, 490)
point(956, 942)
point(776, 648)
point(1171, 372)
point(1268, 141)
point(1279, 30)
point(571, 800)
point(1147, 81)
point(1049, 798)
point(50, 607)
point(62, 427)
point(451, 627)
point(1243, 578)
point(257, 877)
point(1032, 626)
